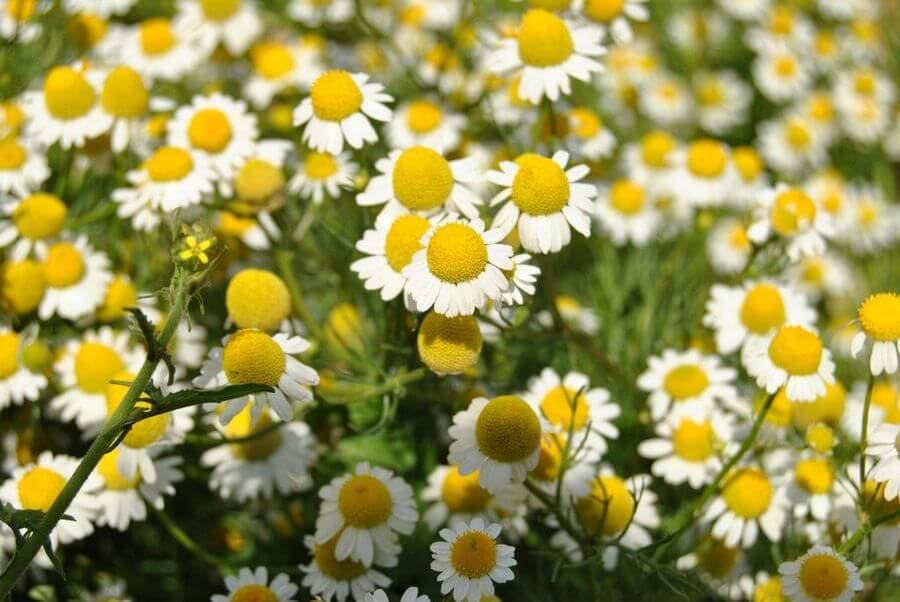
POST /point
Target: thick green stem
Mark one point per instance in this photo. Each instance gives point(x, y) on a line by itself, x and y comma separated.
point(100, 446)
point(283, 258)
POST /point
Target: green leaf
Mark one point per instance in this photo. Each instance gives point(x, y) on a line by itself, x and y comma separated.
point(193, 397)
point(48, 549)
point(392, 450)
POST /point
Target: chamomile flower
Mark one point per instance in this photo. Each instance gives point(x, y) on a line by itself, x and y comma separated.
point(809, 479)
point(689, 445)
point(338, 108)
point(21, 379)
point(589, 135)
point(123, 499)
point(783, 27)
point(879, 319)
point(330, 578)
point(280, 66)
point(33, 218)
point(18, 19)
point(781, 75)
point(792, 144)
point(469, 560)
point(870, 223)
point(500, 437)
point(218, 129)
point(251, 356)
point(705, 174)
point(820, 574)
point(268, 457)
point(728, 246)
point(883, 446)
point(547, 52)
point(36, 486)
point(157, 48)
point(748, 501)
point(793, 357)
point(722, 567)
point(255, 585)
point(687, 379)
point(67, 109)
point(544, 200)
point(863, 84)
point(722, 100)
point(233, 24)
point(456, 498)
point(420, 179)
point(258, 184)
point(321, 175)
point(666, 100)
point(449, 345)
point(651, 161)
point(410, 595)
point(615, 14)
point(627, 214)
point(865, 121)
point(76, 277)
point(746, 10)
point(791, 214)
point(125, 97)
point(254, 232)
point(22, 286)
point(752, 311)
point(23, 167)
point(314, 13)
point(425, 122)
point(458, 269)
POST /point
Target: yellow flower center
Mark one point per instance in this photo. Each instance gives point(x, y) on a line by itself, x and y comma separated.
point(343, 327)
point(119, 295)
point(656, 147)
point(124, 93)
point(261, 447)
point(9, 354)
point(253, 592)
point(39, 488)
point(748, 163)
point(219, 10)
point(779, 414)
point(473, 555)
point(823, 577)
point(814, 475)
point(22, 286)
point(456, 253)
point(868, 212)
point(169, 164)
point(365, 502)
point(585, 123)
point(710, 93)
point(879, 316)
point(508, 430)
point(796, 350)
point(820, 438)
point(694, 441)
point(209, 130)
point(685, 381)
point(115, 480)
point(157, 36)
point(95, 365)
point(550, 458)
point(821, 109)
point(626, 197)
point(813, 270)
point(252, 356)
point(258, 180)
point(339, 570)
point(21, 10)
point(63, 266)
point(738, 239)
point(544, 39)
point(148, 431)
point(114, 392)
point(67, 93)
point(827, 408)
point(403, 240)
point(540, 187)
point(798, 135)
point(449, 345)
point(37, 357)
point(747, 493)
point(706, 159)
point(12, 154)
point(785, 66)
point(319, 166)
point(272, 59)
point(86, 29)
point(763, 309)
point(423, 116)
point(603, 10)
point(609, 508)
point(558, 406)
point(40, 216)
point(422, 179)
point(335, 96)
point(864, 83)
point(716, 558)
point(462, 493)
point(768, 591)
point(257, 299)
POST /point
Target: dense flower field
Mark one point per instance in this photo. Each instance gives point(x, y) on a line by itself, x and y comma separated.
point(464, 300)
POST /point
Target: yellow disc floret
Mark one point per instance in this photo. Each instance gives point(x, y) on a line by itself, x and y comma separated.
point(716, 558)
point(747, 492)
point(473, 555)
point(609, 507)
point(544, 39)
point(449, 345)
point(148, 431)
point(364, 501)
point(748, 163)
point(422, 178)
point(694, 441)
point(252, 356)
point(339, 570)
point(793, 210)
point(253, 592)
point(404, 239)
point(564, 407)
point(707, 158)
point(540, 186)
point(272, 59)
point(796, 350)
point(763, 309)
point(879, 316)
point(603, 10)
point(12, 154)
point(63, 266)
point(124, 93)
point(423, 116)
point(335, 96)
point(220, 10)
point(685, 381)
point(456, 253)
point(319, 166)
point(462, 493)
point(626, 197)
point(39, 216)
point(39, 488)
point(656, 147)
point(9, 354)
point(828, 408)
point(814, 475)
point(823, 577)
point(120, 294)
point(260, 447)
point(257, 299)
point(209, 130)
point(108, 467)
point(258, 180)
point(156, 36)
point(22, 286)
point(508, 430)
point(67, 93)
point(169, 164)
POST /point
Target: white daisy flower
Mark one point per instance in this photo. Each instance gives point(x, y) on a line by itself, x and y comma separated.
point(844, 10)
point(420, 179)
point(793, 357)
point(865, 121)
point(792, 144)
point(469, 560)
point(315, 13)
point(748, 501)
point(570, 406)
point(218, 129)
point(460, 267)
point(157, 48)
point(728, 246)
point(548, 51)
point(869, 223)
point(698, 29)
point(258, 182)
point(745, 10)
point(615, 14)
point(233, 24)
point(33, 218)
point(280, 66)
point(810, 481)
point(845, 516)
point(126, 98)
point(883, 446)
point(425, 122)
point(123, 500)
point(790, 213)
point(705, 173)
point(328, 577)
point(103, 8)
point(689, 446)
point(544, 200)
point(689, 380)
point(508, 108)
point(862, 84)
point(651, 161)
point(459, 498)
point(338, 108)
point(666, 100)
point(321, 174)
point(67, 109)
point(76, 277)
point(751, 311)
point(500, 437)
point(18, 19)
point(410, 595)
point(780, 74)
point(253, 356)
point(783, 27)
point(879, 319)
point(722, 100)
point(820, 574)
point(588, 135)
point(627, 214)
point(265, 457)
point(36, 487)
point(724, 569)
point(21, 379)
point(23, 167)
point(255, 585)
point(365, 510)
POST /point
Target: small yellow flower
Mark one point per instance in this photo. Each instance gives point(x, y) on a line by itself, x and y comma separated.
point(196, 250)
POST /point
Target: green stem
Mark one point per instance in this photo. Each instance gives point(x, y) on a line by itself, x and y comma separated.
point(554, 509)
point(863, 438)
point(100, 446)
point(283, 258)
point(183, 539)
point(864, 529)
